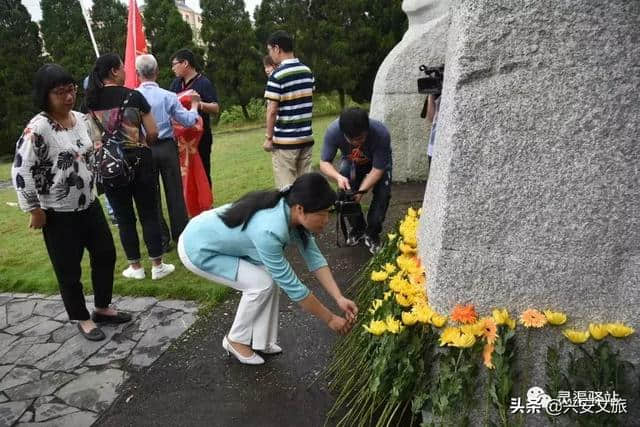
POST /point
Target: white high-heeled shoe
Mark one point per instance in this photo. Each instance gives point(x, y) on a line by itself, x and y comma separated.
point(271, 349)
point(254, 359)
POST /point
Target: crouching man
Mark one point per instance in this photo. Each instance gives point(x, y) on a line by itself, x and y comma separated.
point(366, 163)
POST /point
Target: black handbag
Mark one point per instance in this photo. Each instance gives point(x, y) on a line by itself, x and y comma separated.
point(110, 165)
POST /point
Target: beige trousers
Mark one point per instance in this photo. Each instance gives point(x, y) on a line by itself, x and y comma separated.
point(290, 164)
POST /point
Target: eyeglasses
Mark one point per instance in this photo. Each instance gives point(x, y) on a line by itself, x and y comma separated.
point(66, 90)
point(174, 63)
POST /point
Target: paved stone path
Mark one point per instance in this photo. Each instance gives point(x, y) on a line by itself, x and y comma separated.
point(51, 376)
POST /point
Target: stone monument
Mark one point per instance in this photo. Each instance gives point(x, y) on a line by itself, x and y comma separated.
point(396, 101)
point(533, 199)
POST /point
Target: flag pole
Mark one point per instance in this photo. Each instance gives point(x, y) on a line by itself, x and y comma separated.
point(86, 20)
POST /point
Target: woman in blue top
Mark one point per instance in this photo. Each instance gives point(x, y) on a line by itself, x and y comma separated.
point(242, 246)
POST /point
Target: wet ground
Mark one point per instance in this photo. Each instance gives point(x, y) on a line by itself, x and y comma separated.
point(195, 383)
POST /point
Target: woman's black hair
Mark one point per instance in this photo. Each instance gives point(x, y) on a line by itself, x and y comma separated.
point(311, 191)
point(101, 70)
point(48, 77)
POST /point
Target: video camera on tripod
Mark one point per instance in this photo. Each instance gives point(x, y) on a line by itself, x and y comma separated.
point(431, 84)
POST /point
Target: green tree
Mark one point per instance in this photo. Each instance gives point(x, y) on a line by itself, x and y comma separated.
point(291, 16)
point(382, 24)
point(66, 37)
point(343, 41)
point(166, 33)
point(109, 19)
point(21, 56)
point(231, 52)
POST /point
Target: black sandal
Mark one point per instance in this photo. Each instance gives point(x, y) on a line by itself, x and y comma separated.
point(95, 334)
point(120, 317)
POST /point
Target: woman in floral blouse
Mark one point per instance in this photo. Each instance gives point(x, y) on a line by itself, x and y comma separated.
point(52, 174)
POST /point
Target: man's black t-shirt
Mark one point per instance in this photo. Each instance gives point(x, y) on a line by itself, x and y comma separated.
point(207, 93)
point(110, 99)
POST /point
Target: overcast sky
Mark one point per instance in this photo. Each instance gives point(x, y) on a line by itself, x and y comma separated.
point(33, 6)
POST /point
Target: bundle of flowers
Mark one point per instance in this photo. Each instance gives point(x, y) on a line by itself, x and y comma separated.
point(403, 356)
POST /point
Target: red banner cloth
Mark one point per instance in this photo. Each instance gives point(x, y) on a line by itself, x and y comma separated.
point(136, 45)
point(198, 195)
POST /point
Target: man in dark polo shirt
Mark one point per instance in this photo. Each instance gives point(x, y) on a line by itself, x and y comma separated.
point(183, 64)
point(366, 163)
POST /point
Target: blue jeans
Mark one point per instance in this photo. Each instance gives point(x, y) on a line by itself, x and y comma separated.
point(143, 191)
point(379, 204)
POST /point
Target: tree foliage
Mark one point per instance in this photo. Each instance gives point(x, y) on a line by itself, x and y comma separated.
point(66, 37)
point(232, 55)
point(343, 41)
point(109, 18)
point(21, 56)
point(166, 32)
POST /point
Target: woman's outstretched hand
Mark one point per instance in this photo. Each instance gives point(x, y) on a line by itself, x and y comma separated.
point(349, 307)
point(340, 325)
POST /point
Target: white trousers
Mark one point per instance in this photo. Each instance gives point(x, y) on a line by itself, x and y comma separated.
point(256, 321)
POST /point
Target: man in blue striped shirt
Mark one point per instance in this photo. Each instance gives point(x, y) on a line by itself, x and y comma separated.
point(165, 107)
point(289, 95)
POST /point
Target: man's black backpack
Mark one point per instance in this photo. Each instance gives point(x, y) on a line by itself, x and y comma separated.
point(110, 165)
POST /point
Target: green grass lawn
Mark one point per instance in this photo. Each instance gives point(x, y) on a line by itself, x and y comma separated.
point(239, 165)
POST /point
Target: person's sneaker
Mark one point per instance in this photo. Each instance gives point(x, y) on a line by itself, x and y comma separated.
point(354, 237)
point(162, 270)
point(134, 273)
point(373, 243)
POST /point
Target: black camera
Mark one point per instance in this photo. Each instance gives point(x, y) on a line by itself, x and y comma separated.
point(432, 84)
point(346, 204)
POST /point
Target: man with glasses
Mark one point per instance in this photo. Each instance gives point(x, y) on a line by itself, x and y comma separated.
point(366, 163)
point(183, 65)
point(289, 95)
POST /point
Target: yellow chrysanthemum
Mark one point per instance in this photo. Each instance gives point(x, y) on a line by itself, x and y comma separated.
point(487, 353)
point(375, 305)
point(397, 283)
point(376, 327)
point(409, 318)
point(449, 335)
point(393, 325)
point(598, 331)
point(406, 249)
point(412, 213)
point(532, 318)
point(379, 276)
point(464, 341)
point(555, 317)
point(391, 236)
point(475, 329)
point(403, 300)
point(389, 268)
point(576, 337)
point(423, 313)
point(619, 330)
point(511, 323)
point(501, 316)
point(438, 320)
point(419, 299)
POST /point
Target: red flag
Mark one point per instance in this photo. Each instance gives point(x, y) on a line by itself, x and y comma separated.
point(136, 45)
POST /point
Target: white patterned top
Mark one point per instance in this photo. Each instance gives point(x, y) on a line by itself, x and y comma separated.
point(53, 165)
